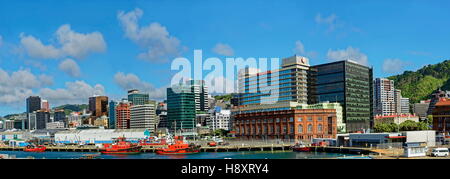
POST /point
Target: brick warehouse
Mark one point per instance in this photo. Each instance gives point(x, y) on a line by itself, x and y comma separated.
point(299, 124)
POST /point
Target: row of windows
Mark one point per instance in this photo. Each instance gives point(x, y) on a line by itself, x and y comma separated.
point(265, 129)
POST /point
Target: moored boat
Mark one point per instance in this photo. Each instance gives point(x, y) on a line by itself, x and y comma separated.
point(32, 148)
point(300, 147)
point(179, 147)
point(121, 146)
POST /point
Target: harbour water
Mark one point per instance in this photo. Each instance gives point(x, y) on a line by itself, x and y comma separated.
point(203, 155)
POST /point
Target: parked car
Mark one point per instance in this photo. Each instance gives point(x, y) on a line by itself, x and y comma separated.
point(440, 152)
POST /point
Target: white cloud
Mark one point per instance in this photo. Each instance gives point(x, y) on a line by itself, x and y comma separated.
point(17, 86)
point(330, 21)
point(70, 67)
point(223, 49)
point(348, 54)
point(299, 48)
point(154, 38)
point(79, 45)
point(393, 65)
point(75, 93)
point(34, 48)
point(70, 43)
point(131, 81)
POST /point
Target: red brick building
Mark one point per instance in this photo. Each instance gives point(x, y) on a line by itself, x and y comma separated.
point(123, 116)
point(299, 124)
point(441, 116)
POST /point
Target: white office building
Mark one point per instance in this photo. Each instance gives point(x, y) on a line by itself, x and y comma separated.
point(220, 120)
point(143, 116)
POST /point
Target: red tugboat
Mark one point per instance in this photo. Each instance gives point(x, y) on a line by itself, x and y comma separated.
point(32, 148)
point(179, 147)
point(300, 147)
point(121, 146)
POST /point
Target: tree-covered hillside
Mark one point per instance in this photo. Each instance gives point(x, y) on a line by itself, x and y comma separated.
point(420, 85)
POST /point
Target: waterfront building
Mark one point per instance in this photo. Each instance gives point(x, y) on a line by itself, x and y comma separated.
point(143, 116)
point(395, 118)
point(284, 120)
point(441, 116)
point(384, 92)
point(98, 107)
point(327, 105)
point(45, 105)
point(181, 107)
point(348, 83)
point(421, 109)
point(33, 104)
point(123, 115)
point(136, 98)
point(220, 119)
point(97, 136)
point(112, 115)
point(289, 83)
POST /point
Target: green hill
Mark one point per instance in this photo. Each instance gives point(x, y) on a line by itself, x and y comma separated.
point(420, 85)
point(68, 108)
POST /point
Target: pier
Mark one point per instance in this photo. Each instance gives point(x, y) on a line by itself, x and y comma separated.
point(226, 148)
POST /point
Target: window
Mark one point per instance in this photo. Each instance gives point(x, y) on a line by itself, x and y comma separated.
point(309, 128)
point(291, 128)
point(300, 129)
point(309, 118)
point(291, 119)
point(319, 118)
point(319, 128)
point(300, 119)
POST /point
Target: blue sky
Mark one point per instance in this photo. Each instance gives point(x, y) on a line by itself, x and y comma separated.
point(392, 36)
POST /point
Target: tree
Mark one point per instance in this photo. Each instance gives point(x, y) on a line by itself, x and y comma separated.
point(385, 127)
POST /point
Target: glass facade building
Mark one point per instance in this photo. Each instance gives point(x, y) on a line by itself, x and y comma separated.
point(180, 107)
point(137, 98)
point(112, 115)
point(349, 84)
point(289, 83)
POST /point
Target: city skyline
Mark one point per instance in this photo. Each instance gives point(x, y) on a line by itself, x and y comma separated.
point(65, 57)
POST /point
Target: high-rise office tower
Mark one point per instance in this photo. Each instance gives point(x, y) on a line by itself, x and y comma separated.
point(180, 107)
point(42, 118)
point(112, 114)
point(384, 96)
point(33, 104)
point(136, 98)
point(143, 116)
point(282, 85)
point(200, 91)
point(348, 83)
point(98, 106)
point(123, 115)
